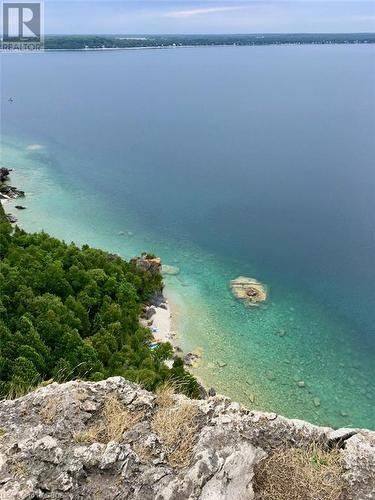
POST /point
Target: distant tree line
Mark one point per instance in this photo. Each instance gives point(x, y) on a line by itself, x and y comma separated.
point(80, 42)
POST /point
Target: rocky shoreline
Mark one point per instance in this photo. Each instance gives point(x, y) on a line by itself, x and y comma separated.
point(156, 313)
point(8, 192)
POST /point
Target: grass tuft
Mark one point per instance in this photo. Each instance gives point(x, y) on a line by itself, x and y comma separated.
point(143, 452)
point(177, 429)
point(166, 395)
point(20, 470)
point(18, 388)
point(49, 410)
point(89, 435)
point(300, 473)
point(116, 419)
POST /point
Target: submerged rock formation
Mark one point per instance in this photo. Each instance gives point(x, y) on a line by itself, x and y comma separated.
point(167, 269)
point(248, 290)
point(111, 439)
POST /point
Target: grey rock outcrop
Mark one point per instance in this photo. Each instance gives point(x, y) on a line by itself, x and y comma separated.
point(4, 173)
point(66, 442)
point(148, 263)
point(11, 191)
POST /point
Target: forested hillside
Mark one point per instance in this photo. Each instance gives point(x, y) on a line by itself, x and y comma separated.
point(68, 312)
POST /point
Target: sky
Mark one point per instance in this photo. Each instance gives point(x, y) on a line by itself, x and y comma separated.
point(210, 16)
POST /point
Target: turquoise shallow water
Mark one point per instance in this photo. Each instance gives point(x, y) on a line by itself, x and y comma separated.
point(222, 175)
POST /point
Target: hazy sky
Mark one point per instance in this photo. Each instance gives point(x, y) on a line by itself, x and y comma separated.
point(212, 16)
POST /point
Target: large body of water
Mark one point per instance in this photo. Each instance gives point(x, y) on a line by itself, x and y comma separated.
point(254, 161)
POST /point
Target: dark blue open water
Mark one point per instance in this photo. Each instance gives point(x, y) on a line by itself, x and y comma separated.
point(253, 161)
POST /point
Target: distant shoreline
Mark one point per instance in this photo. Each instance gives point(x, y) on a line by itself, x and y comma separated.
point(208, 46)
point(171, 47)
point(125, 42)
point(105, 43)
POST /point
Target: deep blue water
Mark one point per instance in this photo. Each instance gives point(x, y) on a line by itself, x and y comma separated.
point(253, 161)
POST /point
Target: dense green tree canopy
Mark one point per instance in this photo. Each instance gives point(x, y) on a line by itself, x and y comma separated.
point(68, 312)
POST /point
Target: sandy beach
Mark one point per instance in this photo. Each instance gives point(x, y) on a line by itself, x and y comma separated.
point(161, 322)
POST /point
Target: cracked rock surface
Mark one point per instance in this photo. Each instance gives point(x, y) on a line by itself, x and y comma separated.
point(53, 446)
